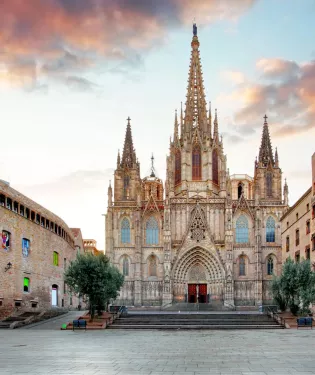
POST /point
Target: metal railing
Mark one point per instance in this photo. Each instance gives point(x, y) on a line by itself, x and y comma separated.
point(275, 316)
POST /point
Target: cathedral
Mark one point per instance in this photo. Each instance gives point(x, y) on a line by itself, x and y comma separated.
point(204, 236)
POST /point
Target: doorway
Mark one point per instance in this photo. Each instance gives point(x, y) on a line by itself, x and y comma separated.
point(54, 295)
point(197, 293)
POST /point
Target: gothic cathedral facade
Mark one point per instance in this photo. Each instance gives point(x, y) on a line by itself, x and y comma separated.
point(205, 236)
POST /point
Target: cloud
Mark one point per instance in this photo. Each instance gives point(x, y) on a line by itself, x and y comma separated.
point(285, 92)
point(62, 36)
point(234, 76)
point(80, 84)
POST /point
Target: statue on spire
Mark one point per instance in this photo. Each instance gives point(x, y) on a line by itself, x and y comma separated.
point(195, 29)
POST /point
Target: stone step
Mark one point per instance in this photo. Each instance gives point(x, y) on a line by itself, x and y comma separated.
point(193, 326)
point(185, 322)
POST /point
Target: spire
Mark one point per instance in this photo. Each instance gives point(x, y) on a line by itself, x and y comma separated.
point(265, 151)
point(152, 167)
point(181, 119)
point(129, 154)
point(118, 159)
point(175, 127)
point(276, 158)
point(210, 120)
point(196, 111)
point(286, 193)
point(216, 126)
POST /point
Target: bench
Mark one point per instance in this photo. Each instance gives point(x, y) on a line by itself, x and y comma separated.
point(305, 322)
point(81, 323)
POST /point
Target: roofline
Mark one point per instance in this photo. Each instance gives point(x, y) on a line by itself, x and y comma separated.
point(296, 203)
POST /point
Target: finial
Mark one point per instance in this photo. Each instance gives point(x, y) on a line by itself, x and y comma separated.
point(152, 166)
point(265, 117)
point(128, 119)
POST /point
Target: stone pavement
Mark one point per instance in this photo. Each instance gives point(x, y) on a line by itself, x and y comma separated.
point(110, 352)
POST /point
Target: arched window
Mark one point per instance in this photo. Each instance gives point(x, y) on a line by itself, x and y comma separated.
point(178, 167)
point(269, 184)
point(152, 266)
point(270, 230)
point(152, 231)
point(196, 163)
point(239, 190)
point(242, 230)
point(270, 266)
point(126, 186)
point(125, 231)
point(215, 167)
point(126, 266)
point(242, 266)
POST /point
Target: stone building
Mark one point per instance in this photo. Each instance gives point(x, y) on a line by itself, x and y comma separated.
point(298, 226)
point(203, 236)
point(36, 247)
point(90, 246)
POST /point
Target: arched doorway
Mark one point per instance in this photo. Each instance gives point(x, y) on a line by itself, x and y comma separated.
point(198, 277)
point(54, 295)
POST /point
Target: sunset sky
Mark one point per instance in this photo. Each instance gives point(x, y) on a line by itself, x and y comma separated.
point(72, 71)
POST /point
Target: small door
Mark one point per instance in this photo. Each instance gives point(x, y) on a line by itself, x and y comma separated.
point(54, 295)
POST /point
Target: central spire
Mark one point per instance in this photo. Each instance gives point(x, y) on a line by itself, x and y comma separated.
point(129, 155)
point(196, 110)
point(265, 152)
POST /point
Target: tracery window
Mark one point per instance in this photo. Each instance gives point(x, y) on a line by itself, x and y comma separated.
point(178, 167)
point(196, 163)
point(215, 167)
point(242, 266)
point(242, 230)
point(126, 266)
point(269, 184)
point(125, 231)
point(270, 229)
point(126, 186)
point(152, 231)
point(270, 266)
point(239, 190)
point(152, 266)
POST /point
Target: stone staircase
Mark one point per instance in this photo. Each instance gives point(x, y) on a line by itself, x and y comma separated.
point(193, 320)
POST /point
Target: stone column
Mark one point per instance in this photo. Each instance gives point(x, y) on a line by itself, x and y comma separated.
point(167, 297)
point(138, 262)
point(229, 282)
point(258, 281)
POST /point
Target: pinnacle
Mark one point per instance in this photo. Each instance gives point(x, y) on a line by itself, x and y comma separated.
point(129, 155)
point(265, 152)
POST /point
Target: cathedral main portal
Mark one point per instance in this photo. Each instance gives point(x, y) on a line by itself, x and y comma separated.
point(197, 293)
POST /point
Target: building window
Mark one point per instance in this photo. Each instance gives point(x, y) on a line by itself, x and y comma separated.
point(239, 190)
point(196, 163)
point(297, 237)
point(9, 203)
point(215, 167)
point(297, 216)
point(242, 266)
point(125, 231)
point(313, 211)
point(270, 230)
point(6, 236)
point(270, 266)
point(308, 227)
point(2, 200)
point(152, 266)
point(126, 187)
point(307, 252)
point(242, 229)
point(125, 266)
point(56, 258)
point(26, 285)
point(287, 244)
point(25, 247)
point(307, 207)
point(269, 184)
point(297, 256)
point(178, 167)
point(287, 224)
point(64, 263)
point(152, 231)
point(313, 242)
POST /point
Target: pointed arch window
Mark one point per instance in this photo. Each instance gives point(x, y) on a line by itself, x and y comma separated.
point(270, 230)
point(152, 231)
point(241, 230)
point(125, 231)
point(152, 266)
point(125, 266)
point(196, 163)
point(215, 167)
point(270, 266)
point(242, 266)
point(269, 184)
point(178, 167)
point(126, 186)
point(239, 190)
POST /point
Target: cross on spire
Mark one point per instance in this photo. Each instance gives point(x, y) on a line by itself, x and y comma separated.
point(265, 117)
point(152, 167)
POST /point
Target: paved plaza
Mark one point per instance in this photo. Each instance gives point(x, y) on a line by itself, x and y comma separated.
point(109, 352)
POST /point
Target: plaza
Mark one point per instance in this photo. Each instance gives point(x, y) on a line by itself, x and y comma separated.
point(110, 352)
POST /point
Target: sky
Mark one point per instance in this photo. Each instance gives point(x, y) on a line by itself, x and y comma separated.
point(72, 71)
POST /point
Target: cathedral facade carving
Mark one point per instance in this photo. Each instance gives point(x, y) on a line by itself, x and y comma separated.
point(204, 235)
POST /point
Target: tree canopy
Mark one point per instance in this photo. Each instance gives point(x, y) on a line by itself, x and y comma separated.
point(95, 278)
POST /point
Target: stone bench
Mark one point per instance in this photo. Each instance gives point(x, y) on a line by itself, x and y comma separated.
point(304, 322)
